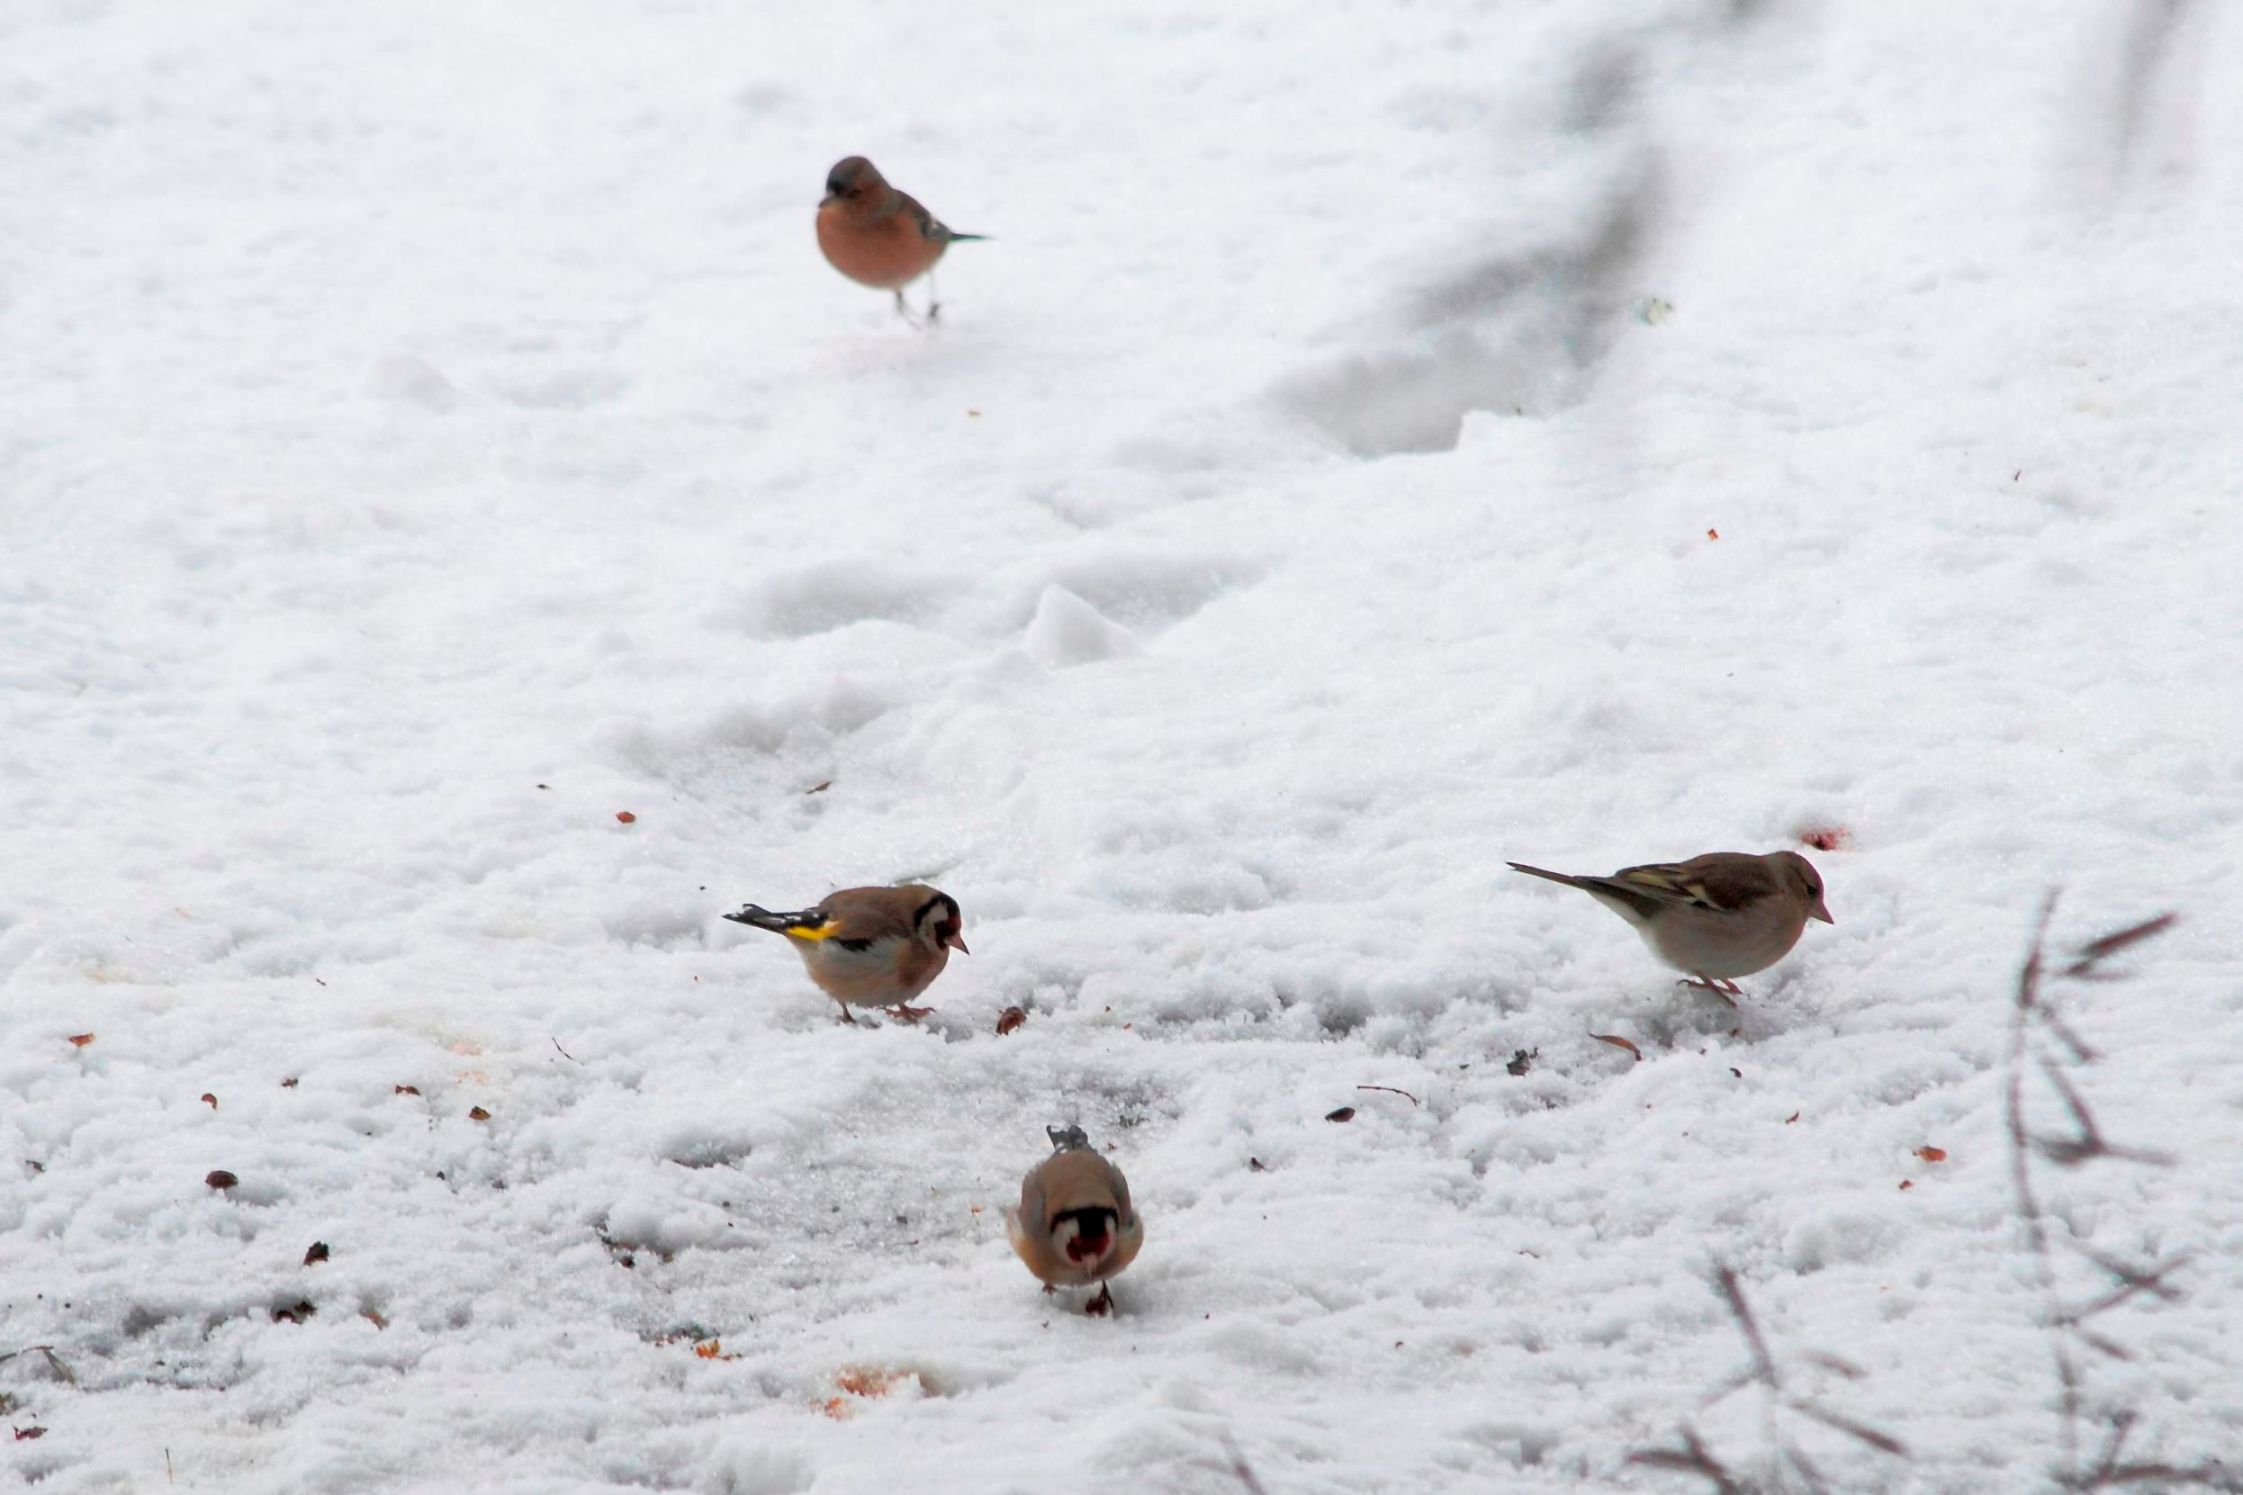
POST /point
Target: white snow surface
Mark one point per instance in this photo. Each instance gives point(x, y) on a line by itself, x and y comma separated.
point(1377, 442)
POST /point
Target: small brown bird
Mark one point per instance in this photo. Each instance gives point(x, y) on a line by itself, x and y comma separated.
point(871, 947)
point(1075, 1225)
point(878, 236)
point(1715, 917)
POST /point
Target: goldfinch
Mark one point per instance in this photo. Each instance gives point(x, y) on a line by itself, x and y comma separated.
point(1074, 1224)
point(871, 947)
point(1715, 917)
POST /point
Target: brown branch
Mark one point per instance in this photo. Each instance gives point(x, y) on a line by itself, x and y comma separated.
point(1882, 1442)
point(2132, 1282)
point(1239, 1467)
point(2095, 952)
point(54, 1361)
point(1691, 1458)
point(1764, 1366)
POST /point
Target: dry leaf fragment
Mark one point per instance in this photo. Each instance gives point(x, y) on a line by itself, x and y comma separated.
point(80, 1040)
point(1256, 1165)
point(1522, 1061)
point(317, 1253)
point(820, 787)
point(1713, 534)
point(294, 1313)
point(404, 1089)
point(1618, 1042)
point(626, 817)
point(373, 1318)
point(1009, 1019)
point(219, 1178)
point(1932, 1154)
point(477, 1113)
point(866, 1380)
point(288, 1083)
point(1344, 1113)
point(210, 1100)
point(1907, 1183)
point(30, 1432)
point(1788, 1120)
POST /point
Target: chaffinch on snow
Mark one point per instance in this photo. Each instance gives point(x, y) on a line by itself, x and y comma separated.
point(1715, 917)
point(1075, 1224)
point(878, 236)
point(871, 947)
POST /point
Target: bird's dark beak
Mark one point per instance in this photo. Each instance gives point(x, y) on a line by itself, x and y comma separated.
point(956, 942)
point(1820, 912)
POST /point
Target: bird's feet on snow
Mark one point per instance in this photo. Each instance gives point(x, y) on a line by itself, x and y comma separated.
point(1728, 991)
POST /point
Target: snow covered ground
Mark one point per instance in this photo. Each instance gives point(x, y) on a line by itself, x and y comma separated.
point(1378, 442)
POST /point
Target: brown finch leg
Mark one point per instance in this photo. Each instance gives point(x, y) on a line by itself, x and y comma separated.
point(1103, 1304)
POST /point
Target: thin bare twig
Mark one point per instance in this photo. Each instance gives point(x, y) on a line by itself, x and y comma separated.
point(1764, 1365)
point(54, 1361)
point(1882, 1442)
point(1241, 1468)
point(2043, 1045)
point(1390, 1090)
point(2095, 952)
point(1691, 1458)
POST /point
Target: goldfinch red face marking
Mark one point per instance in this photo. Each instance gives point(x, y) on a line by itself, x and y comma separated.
point(1075, 1224)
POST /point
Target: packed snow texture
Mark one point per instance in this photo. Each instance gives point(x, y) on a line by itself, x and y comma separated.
point(1376, 442)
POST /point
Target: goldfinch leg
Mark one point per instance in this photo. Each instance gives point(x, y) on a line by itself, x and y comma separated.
point(1103, 1304)
point(903, 1014)
point(1728, 991)
point(934, 307)
point(903, 310)
point(846, 1015)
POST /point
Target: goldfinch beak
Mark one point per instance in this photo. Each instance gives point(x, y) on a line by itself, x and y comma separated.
point(1819, 912)
point(957, 942)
